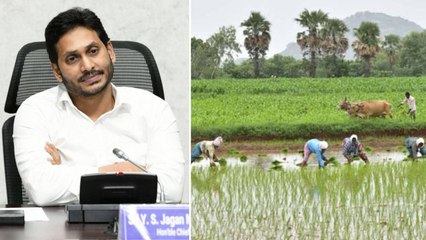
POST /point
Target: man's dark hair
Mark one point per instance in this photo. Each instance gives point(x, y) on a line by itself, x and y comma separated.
point(407, 94)
point(68, 20)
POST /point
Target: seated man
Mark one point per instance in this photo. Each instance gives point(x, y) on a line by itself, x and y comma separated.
point(71, 129)
point(352, 148)
point(415, 145)
point(206, 148)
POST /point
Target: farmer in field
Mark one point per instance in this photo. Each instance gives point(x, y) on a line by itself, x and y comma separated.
point(415, 145)
point(318, 147)
point(352, 148)
point(206, 148)
point(411, 105)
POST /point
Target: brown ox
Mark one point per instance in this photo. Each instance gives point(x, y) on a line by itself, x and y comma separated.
point(366, 109)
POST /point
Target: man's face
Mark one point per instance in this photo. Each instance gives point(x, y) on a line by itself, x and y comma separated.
point(85, 64)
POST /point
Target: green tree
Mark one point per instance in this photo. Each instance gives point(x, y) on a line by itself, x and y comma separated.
point(204, 59)
point(367, 44)
point(258, 37)
point(334, 44)
point(413, 53)
point(283, 66)
point(391, 44)
point(310, 40)
point(244, 70)
point(334, 41)
point(333, 66)
point(225, 44)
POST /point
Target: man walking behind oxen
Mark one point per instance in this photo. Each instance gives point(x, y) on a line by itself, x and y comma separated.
point(411, 105)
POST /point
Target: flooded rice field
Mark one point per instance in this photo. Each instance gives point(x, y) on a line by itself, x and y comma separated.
point(289, 160)
point(260, 197)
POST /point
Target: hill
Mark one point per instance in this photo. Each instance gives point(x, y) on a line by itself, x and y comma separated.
point(387, 24)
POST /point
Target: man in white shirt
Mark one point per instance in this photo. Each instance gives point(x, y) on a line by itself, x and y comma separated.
point(71, 130)
point(411, 105)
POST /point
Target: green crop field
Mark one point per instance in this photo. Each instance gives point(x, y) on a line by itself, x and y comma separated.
point(300, 108)
point(383, 200)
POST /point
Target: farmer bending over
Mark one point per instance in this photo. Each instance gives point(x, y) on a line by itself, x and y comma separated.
point(415, 145)
point(207, 148)
point(318, 147)
point(352, 147)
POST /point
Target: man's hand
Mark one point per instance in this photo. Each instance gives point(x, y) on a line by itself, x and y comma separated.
point(54, 154)
point(119, 167)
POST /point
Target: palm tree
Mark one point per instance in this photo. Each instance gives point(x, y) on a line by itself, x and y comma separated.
point(390, 45)
point(334, 44)
point(310, 40)
point(367, 44)
point(257, 38)
point(334, 41)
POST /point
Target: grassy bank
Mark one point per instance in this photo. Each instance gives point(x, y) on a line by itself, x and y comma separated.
point(299, 108)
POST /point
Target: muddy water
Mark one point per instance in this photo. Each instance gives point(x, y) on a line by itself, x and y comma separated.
point(289, 160)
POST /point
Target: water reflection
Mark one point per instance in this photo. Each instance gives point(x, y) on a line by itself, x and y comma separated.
point(288, 161)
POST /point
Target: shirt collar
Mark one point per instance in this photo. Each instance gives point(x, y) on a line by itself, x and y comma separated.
point(121, 101)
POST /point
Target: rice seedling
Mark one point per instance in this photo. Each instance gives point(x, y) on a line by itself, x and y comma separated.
point(232, 152)
point(380, 201)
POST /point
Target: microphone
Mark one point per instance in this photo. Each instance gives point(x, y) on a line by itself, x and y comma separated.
point(120, 154)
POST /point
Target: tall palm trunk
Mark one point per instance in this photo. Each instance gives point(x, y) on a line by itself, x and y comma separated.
point(367, 65)
point(312, 65)
point(256, 65)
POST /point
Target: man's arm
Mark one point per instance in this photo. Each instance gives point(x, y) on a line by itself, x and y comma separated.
point(320, 159)
point(165, 155)
point(403, 102)
point(119, 167)
point(116, 167)
point(212, 151)
point(45, 183)
point(414, 150)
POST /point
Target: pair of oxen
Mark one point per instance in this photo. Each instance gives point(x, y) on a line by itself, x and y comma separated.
point(367, 109)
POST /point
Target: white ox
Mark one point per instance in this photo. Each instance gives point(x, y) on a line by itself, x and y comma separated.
point(366, 109)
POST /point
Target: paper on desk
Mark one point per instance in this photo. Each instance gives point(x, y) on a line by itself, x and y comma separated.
point(31, 213)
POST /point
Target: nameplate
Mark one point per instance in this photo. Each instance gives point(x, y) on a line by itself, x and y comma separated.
point(154, 221)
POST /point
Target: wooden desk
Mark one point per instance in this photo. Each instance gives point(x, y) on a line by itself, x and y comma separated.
point(56, 228)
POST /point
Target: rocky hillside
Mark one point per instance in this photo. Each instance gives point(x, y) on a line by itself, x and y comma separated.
point(387, 24)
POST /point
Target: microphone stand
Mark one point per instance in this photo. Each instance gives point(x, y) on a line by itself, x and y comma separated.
point(120, 154)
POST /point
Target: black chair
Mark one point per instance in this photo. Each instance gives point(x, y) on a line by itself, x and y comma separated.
point(135, 66)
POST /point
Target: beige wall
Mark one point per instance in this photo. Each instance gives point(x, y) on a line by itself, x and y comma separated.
point(162, 25)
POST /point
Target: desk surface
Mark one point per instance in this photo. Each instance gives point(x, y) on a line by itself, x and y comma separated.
point(56, 228)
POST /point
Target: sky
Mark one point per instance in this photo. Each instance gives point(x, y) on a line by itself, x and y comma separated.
point(207, 16)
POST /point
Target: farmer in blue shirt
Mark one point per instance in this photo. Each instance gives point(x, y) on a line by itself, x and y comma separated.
point(352, 147)
point(318, 147)
point(415, 145)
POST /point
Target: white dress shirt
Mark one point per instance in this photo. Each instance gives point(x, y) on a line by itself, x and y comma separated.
point(140, 124)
